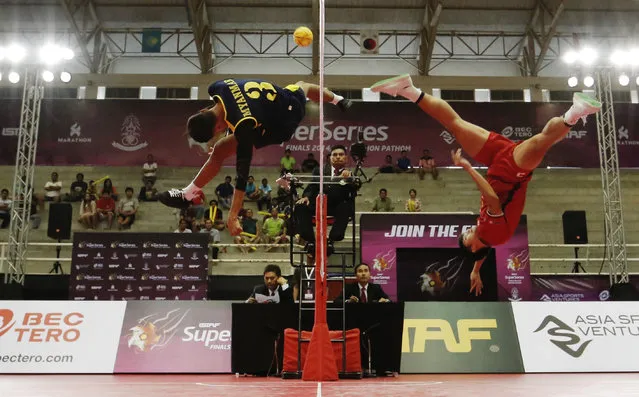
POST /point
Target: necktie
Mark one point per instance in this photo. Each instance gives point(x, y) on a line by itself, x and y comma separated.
point(337, 172)
point(362, 297)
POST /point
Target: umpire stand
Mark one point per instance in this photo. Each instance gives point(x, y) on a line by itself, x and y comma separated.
point(305, 264)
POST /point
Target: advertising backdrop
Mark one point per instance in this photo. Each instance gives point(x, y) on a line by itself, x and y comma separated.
point(139, 266)
point(123, 132)
point(382, 234)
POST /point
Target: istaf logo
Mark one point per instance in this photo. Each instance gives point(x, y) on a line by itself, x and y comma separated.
point(6, 321)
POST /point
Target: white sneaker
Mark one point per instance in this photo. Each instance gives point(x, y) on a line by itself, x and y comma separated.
point(584, 105)
point(393, 86)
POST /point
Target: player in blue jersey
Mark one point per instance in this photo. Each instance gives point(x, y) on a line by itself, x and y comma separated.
point(255, 113)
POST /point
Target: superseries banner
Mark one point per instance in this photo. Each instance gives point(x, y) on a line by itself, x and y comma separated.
point(123, 132)
point(139, 266)
point(416, 257)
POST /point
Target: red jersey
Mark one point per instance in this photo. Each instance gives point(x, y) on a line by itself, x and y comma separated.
point(510, 184)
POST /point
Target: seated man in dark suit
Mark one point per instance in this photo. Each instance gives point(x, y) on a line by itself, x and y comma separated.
point(363, 291)
point(274, 284)
point(339, 202)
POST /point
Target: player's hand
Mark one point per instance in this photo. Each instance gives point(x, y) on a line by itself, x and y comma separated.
point(353, 299)
point(458, 159)
point(233, 224)
point(303, 200)
point(383, 300)
point(475, 283)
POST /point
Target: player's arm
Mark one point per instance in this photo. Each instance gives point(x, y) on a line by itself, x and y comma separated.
point(476, 285)
point(488, 193)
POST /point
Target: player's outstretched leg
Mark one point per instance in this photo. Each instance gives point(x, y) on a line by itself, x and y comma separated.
point(529, 154)
point(469, 136)
point(312, 92)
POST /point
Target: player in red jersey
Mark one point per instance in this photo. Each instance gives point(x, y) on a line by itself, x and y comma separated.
point(510, 164)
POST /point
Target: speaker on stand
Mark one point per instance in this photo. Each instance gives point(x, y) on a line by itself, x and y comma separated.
point(59, 229)
point(575, 232)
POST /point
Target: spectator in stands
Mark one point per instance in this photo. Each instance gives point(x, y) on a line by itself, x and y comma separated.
point(265, 197)
point(274, 229)
point(5, 209)
point(109, 188)
point(287, 163)
point(78, 189)
point(149, 170)
point(427, 165)
point(106, 209)
point(383, 203)
point(88, 212)
point(216, 215)
point(189, 215)
point(363, 291)
point(309, 164)
point(52, 188)
point(251, 192)
point(182, 227)
point(224, 192)
point(127, 208)
point(92, 189)
point(413, 204)
point(199, 205)
point(250, 231)
point(148, 192)
point(274, 284)
point(388, 167)
point(403, 163)
point(214, 236)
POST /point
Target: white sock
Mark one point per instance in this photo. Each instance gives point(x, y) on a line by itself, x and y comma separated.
point(190, 192)
point(572, 117)
point(411, 93)
point(336, 99)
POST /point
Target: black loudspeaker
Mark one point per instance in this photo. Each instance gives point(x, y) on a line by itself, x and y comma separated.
point(623, 292)
point(60, 221)
point(575, 229)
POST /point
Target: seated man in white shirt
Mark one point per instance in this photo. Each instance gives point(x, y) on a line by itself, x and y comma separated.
point(182, 227)
point(52, 188)
point(274, 284)
point(149, 170)
point(5, 209)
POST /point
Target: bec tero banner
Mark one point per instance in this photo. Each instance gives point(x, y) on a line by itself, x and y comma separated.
point(123, 132)
point(417, 257)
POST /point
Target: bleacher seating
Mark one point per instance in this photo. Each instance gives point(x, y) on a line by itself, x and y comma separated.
point(550, 194)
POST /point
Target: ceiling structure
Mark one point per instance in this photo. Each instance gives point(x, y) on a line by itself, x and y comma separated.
point(531, 34)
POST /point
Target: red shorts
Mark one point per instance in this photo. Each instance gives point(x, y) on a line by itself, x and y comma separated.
point(497, 154)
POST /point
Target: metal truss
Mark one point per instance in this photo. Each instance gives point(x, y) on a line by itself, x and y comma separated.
point(428, 35)
point(610, 180)
point(23, 176)
point(200, 22)
point(538, 38)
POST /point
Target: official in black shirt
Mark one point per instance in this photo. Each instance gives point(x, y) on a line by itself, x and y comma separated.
point(274, 284)
point(256, 114)
point(339, 198)
point(363, 291)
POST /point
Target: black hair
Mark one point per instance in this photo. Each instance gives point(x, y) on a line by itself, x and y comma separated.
point(200, 126)
point(128, 188)
point(361, 264)
point(5, 190)
point(273, 268)
point(338, 147)
point(475, 256)
point(383, 190)
point(413, 190)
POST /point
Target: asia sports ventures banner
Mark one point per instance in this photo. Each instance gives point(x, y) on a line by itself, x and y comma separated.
point(123, 132)
point(578, 336)
point(59, 337)
point(439, 266)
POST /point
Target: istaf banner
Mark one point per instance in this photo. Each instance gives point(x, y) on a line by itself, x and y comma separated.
point(122, 133)
point(416, 257)
point(139, 266)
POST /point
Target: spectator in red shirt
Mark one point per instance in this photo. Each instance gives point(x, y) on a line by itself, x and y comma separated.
point(106, 208)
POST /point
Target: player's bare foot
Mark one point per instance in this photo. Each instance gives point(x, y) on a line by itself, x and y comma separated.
point(234, 227)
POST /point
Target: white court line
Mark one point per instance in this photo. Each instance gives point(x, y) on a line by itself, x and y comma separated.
point(319, 389)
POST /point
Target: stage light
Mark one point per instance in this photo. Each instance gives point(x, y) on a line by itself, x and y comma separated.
point(589, 81)
point(67, 54)
point(637, 82)
point(633, 57)
point(50, 54)
point(15, 53)
point(47, 76)
point(619, 58)
point(65, 77)
point(0, 76)
point(588, 55)
point(570, 57)
point(2, 51)
point(14, 77)
point(573, 81)
point(624, 80)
